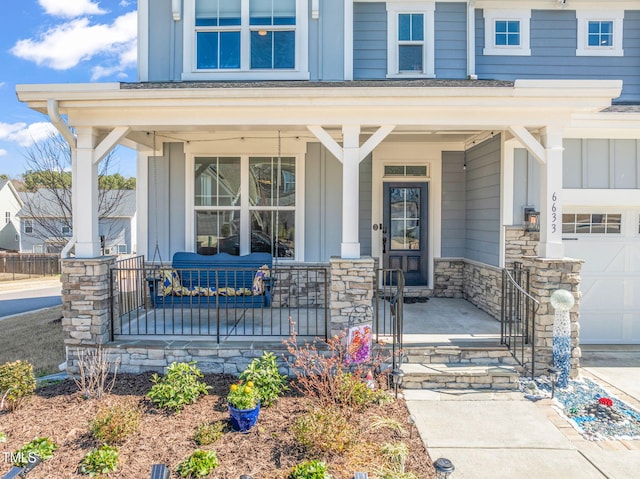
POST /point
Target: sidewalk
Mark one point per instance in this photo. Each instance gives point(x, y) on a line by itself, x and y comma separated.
point(27, 284)
point(497, 435)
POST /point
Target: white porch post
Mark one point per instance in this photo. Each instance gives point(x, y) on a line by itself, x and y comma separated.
point(85, 196)
point(350, 247)
point(551, 196)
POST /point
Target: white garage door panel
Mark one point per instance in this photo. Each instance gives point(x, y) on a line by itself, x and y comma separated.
point(610, 304)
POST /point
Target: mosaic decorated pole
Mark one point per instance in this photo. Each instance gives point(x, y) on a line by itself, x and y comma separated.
point(562, 301)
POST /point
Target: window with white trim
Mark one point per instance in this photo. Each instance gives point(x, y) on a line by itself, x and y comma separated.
point(506, 32)
point(250, 39)
point(600, 32)
point(7, 217)
point(66, 230)
point(410, 40)
point(28, 226)
point(245, 203)
point(38, 248)
point(591, 223)
point(122, 249)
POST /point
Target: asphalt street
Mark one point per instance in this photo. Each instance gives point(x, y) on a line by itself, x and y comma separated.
point(22, 301)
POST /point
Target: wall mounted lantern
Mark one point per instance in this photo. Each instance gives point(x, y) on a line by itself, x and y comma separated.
point(531, 219)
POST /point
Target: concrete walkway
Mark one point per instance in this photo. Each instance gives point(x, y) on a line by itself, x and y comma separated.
point(497, 435)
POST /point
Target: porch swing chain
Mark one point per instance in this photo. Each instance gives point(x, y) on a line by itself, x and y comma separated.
point(156, 251)
point(279, 171)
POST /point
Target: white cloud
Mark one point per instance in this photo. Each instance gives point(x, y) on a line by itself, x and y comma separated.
point(66, 45)
point(124, 3)
point(71, 8)
point(3, 152)
point(2, 84)
point(26, 135)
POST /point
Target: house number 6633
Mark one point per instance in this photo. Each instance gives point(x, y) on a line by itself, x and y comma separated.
point(554, 212)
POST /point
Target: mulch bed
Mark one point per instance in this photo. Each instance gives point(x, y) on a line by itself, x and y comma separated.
point(268, 451)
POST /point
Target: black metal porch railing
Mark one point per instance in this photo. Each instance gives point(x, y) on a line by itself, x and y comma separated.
point(518, 316)
point(141, 309)
point(388, 311)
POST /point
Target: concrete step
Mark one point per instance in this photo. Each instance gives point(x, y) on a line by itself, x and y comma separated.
point(470, 353)
point(459, 376)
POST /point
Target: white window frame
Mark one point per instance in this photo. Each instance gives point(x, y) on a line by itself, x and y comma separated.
point(67, 232)
point(521, 15)
point(245, 209)
point(122, 248)
point(428, 52)
point(7, 217)
point(299, 72)
point(28, 226)
point(38, 248)
point(583, 18)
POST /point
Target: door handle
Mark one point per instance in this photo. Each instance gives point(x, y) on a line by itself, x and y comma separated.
point(384, 244)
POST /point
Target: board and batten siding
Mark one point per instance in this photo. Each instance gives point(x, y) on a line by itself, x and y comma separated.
point(326, 42)
point(553, 53)
point(323, 204)
point(369, 41)
point(482, 199)
point(451, 40)
point(167, 202)
point(366, 208)
point(453, 204)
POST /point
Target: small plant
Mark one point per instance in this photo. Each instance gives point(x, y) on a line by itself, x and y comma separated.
point(380, 422)
point(43, 447)
point(100, 461)
point(324, 429)
point(199, 464)
point(313, 469)
point(17, 383)
point(208, 433)
point(396, 455)
point(179, 387)
point(3, 437)
point(243, 395)
point(94, 367)
point(114, 424)
point(264, 373)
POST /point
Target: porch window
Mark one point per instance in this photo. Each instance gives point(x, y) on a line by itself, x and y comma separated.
point(411, 40)
point(245, 204)
point(600, 32)
point(241, 39)
point(591, 223)
point(507, 32)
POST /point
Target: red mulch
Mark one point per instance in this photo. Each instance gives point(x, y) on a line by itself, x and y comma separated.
point(268, 451)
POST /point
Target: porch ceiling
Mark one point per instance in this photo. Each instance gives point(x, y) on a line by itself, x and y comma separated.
point(420, 110)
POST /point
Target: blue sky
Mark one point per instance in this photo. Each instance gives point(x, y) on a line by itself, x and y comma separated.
point(60, 41)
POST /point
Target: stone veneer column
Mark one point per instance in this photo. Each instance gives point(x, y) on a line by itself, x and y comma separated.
point(85, 300)
point(352, 282)
point(547, 276)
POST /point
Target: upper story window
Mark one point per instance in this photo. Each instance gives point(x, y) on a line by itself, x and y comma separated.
point(506, 32)
point(245, 39)
point(28, 226)
point(600, 33)
point(7, 217)
point(66, 230)
point(410, 39)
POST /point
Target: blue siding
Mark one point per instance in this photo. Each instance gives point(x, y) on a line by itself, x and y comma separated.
point(483, 202)
point(369, 41)
point(326, 42)
point(453, 204)
point(160, 24)
point(365, 215)
point(553, 54)
point(451, 40)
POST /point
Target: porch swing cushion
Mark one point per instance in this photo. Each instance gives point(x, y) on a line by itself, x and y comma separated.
point(219, 280)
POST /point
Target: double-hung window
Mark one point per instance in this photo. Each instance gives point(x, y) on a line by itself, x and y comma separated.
point(600, 32)
point(245, 204)
point(410, 39)
point(507, 32)
point(28, 226)
point(246, 39)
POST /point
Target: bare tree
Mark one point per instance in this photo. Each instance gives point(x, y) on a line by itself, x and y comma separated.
point(47, 200)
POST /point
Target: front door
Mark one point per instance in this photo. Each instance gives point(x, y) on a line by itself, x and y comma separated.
point(404, 231)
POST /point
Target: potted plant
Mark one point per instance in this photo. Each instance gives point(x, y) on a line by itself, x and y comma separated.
point(244, 405)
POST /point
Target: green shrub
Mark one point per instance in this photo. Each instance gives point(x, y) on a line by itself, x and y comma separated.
point(114, 424)
point(266, 377)
point(199, 464)
point(102, 460)
point(179, 387)
point(208, 433)
point(243, 395)
point(323, 430)
point(43, 447)
point(310, 470)
point(17, 382)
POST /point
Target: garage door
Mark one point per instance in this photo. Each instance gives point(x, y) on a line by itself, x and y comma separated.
point(609, 244)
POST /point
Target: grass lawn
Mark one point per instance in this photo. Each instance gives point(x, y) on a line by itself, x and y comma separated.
point(34, 337)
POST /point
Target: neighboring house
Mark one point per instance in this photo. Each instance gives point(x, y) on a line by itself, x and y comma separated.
point(10, 204)
point(45, 222)
point(415, 132)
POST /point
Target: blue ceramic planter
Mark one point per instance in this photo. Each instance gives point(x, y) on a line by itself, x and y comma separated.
point(243, 419)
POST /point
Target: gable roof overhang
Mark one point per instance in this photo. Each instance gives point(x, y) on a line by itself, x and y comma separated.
point(412, 106)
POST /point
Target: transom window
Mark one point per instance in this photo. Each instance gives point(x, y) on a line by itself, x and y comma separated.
point(600, 32)
point(506, 32)
point(410, 39)
point(251, 36)
point(245, 205)
point(591, 223)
